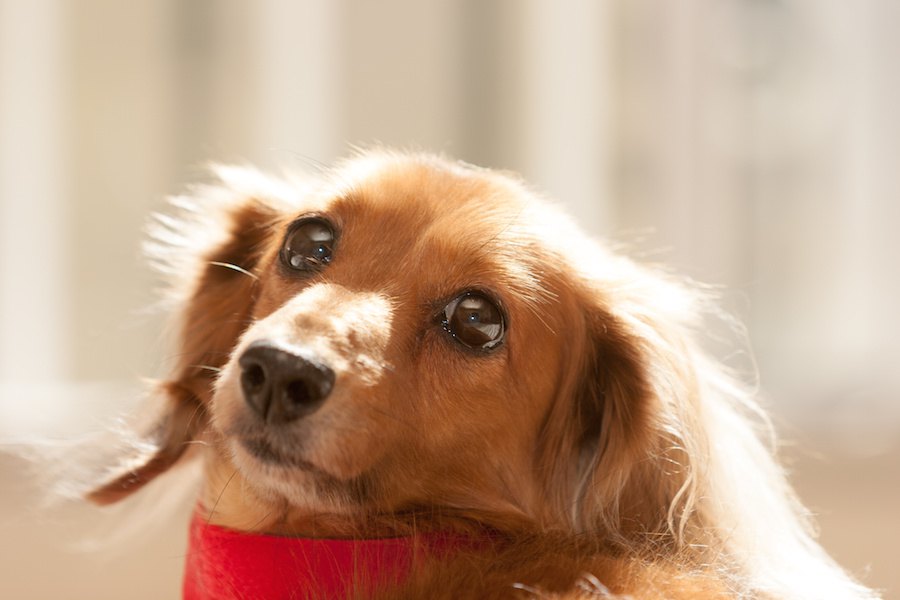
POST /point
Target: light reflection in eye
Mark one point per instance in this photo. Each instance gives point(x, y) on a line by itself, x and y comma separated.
point(308, 245)
point(474, 321)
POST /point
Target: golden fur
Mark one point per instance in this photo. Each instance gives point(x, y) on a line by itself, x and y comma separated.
point(608, 452)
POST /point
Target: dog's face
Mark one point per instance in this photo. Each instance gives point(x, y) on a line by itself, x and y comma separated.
point(402, 344)
point(408, 334)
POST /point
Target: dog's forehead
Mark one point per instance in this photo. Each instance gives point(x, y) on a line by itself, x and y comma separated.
point(415, 193)
point(431, 228)
point(458, 225)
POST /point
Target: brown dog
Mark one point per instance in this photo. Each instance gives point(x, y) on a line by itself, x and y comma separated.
point(410, 344)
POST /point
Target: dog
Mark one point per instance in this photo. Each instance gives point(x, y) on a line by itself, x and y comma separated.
point(414, 351)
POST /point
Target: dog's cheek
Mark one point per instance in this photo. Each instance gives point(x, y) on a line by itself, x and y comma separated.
point(461, 394)
point(355, 435)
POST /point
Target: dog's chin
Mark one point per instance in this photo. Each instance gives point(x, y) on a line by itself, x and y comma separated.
point(276, 475)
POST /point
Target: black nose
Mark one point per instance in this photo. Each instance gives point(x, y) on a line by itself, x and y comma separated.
point(282, 386)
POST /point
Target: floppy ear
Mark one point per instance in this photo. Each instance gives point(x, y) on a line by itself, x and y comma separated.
point(618, 418)
point(210, 252)
point(141, 456)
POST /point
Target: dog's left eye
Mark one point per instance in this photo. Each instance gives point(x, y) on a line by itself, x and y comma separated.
point(475, 321)
point(308, 245)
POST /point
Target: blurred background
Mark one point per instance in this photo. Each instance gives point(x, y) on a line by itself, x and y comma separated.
point(751, 144)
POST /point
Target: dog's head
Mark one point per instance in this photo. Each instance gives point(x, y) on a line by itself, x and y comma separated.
point(410, 333)
point(409, 340)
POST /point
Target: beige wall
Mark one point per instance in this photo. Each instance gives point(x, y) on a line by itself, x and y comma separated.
point(753, 145)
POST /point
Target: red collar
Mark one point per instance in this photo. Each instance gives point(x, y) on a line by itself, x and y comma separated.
point(226, 564)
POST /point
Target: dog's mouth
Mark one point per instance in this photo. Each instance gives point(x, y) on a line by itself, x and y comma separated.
point(287, 466)
point(264, 451)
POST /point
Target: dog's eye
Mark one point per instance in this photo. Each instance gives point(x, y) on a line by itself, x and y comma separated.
point(308, 245)
point(475, 321)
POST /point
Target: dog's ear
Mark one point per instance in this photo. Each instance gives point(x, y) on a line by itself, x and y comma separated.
point(210, 253)
point(620, 414)
point(139, 456)
point(613, 406)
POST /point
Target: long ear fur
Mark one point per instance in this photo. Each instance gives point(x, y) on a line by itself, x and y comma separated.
point(668, 450)
point(628, 464)
point(209, 252)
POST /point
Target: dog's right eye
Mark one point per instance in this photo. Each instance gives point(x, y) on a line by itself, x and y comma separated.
point(475, 321)
point(309, 245)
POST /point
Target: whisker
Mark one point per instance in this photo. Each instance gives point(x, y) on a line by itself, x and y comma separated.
point(195, 414)
point(219, 497)
point(234, 268)
point(260, 521)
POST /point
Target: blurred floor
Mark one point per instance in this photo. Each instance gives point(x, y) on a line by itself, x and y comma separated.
point(856, 502)
point(40, 558)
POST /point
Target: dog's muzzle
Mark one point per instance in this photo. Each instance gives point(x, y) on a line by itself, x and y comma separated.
point(280, 385)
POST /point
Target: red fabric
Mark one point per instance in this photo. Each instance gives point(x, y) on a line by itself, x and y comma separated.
point(223, 564)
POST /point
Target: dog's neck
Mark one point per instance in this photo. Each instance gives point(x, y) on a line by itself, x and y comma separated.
point(225, 563)
point(363, 524)
point(227, 500)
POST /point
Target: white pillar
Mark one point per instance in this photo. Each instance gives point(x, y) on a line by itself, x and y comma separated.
point(298, 64)
point(34, 264)
point(567, 96)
